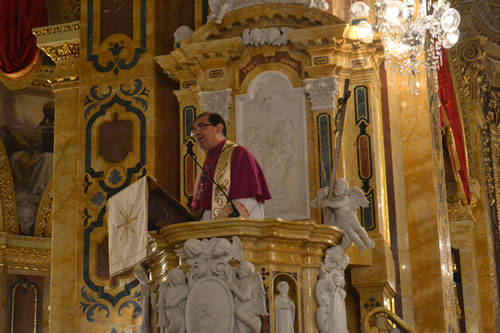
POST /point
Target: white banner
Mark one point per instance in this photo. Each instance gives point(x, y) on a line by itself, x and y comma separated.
point(128, 227)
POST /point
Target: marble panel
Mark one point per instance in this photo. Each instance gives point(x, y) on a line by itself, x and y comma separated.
point(426, 212)
point(64, 235)
point(462, 236)
point(271, 123)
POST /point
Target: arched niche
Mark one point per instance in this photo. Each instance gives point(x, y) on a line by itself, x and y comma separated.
point(271, 123)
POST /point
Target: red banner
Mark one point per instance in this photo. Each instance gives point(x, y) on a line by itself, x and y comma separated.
point(18, 47)
point(449, 107)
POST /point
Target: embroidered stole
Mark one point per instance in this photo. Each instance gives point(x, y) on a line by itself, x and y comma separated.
point(222, 176)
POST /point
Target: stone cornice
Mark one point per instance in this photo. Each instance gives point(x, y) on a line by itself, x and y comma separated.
point(262, 16)
point(57, 29)
point(25, 254)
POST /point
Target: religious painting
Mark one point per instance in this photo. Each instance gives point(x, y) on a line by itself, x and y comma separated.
point(271, 123)
point(27, 135)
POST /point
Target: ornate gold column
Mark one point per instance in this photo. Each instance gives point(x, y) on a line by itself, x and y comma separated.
point(62, 44)
point(399, 185)
point(479, 104)
point(429, 239)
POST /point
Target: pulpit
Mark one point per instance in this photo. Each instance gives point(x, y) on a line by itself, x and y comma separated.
point(207, 253)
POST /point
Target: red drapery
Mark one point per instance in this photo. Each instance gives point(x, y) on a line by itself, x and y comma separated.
point(18, 47)
point(449, 107)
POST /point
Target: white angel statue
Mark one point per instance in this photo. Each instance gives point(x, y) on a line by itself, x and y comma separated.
point(248, 288)
point(171, 302)
point(344, 205)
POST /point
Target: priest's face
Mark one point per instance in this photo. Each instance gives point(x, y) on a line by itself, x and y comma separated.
point(206, 135)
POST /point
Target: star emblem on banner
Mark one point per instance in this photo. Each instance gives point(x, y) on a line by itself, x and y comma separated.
point(128, 219)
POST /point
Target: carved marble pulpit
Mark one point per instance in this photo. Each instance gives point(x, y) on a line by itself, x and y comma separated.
point(213, 258)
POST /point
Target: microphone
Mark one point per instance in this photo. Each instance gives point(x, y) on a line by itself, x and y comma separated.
point(235, 212)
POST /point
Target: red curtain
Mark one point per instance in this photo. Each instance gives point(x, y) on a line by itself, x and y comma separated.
point(449, 106)
point(17, 44)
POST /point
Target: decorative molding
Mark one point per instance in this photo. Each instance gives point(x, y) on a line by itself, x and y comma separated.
point(55, 29)
point(24, 253)
point(218, 101)
point(7, 194)
point(322, 92)
point(43, 223)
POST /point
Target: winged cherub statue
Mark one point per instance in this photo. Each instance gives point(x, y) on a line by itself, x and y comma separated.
point(344, 205)
point(248, 289)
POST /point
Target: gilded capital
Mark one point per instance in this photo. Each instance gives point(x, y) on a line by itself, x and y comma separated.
point(62, 44)
point(62, 52)
point(470, 59)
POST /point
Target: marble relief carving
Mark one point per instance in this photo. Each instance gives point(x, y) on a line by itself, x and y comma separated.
point(271, 123)
point(218, 101)
point(261, 36)
point(182, 33)
point(322, 92)
point(212, 296)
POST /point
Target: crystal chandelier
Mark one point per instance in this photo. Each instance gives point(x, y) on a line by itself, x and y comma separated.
point(403, 27)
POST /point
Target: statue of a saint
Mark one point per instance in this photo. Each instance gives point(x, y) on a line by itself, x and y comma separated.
point(284, 310)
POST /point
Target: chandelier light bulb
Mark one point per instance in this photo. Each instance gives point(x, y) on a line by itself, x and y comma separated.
point(450, 20)
point(450, 39)
point(365, 32)
point(395, 11)
point(359, 9)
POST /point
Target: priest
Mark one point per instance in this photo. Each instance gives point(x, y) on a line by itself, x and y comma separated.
point(239, 181)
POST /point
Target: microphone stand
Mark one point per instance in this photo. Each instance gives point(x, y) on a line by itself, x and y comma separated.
point(235, 212)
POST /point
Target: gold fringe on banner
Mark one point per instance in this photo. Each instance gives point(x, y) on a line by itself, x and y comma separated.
point(23, 78)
